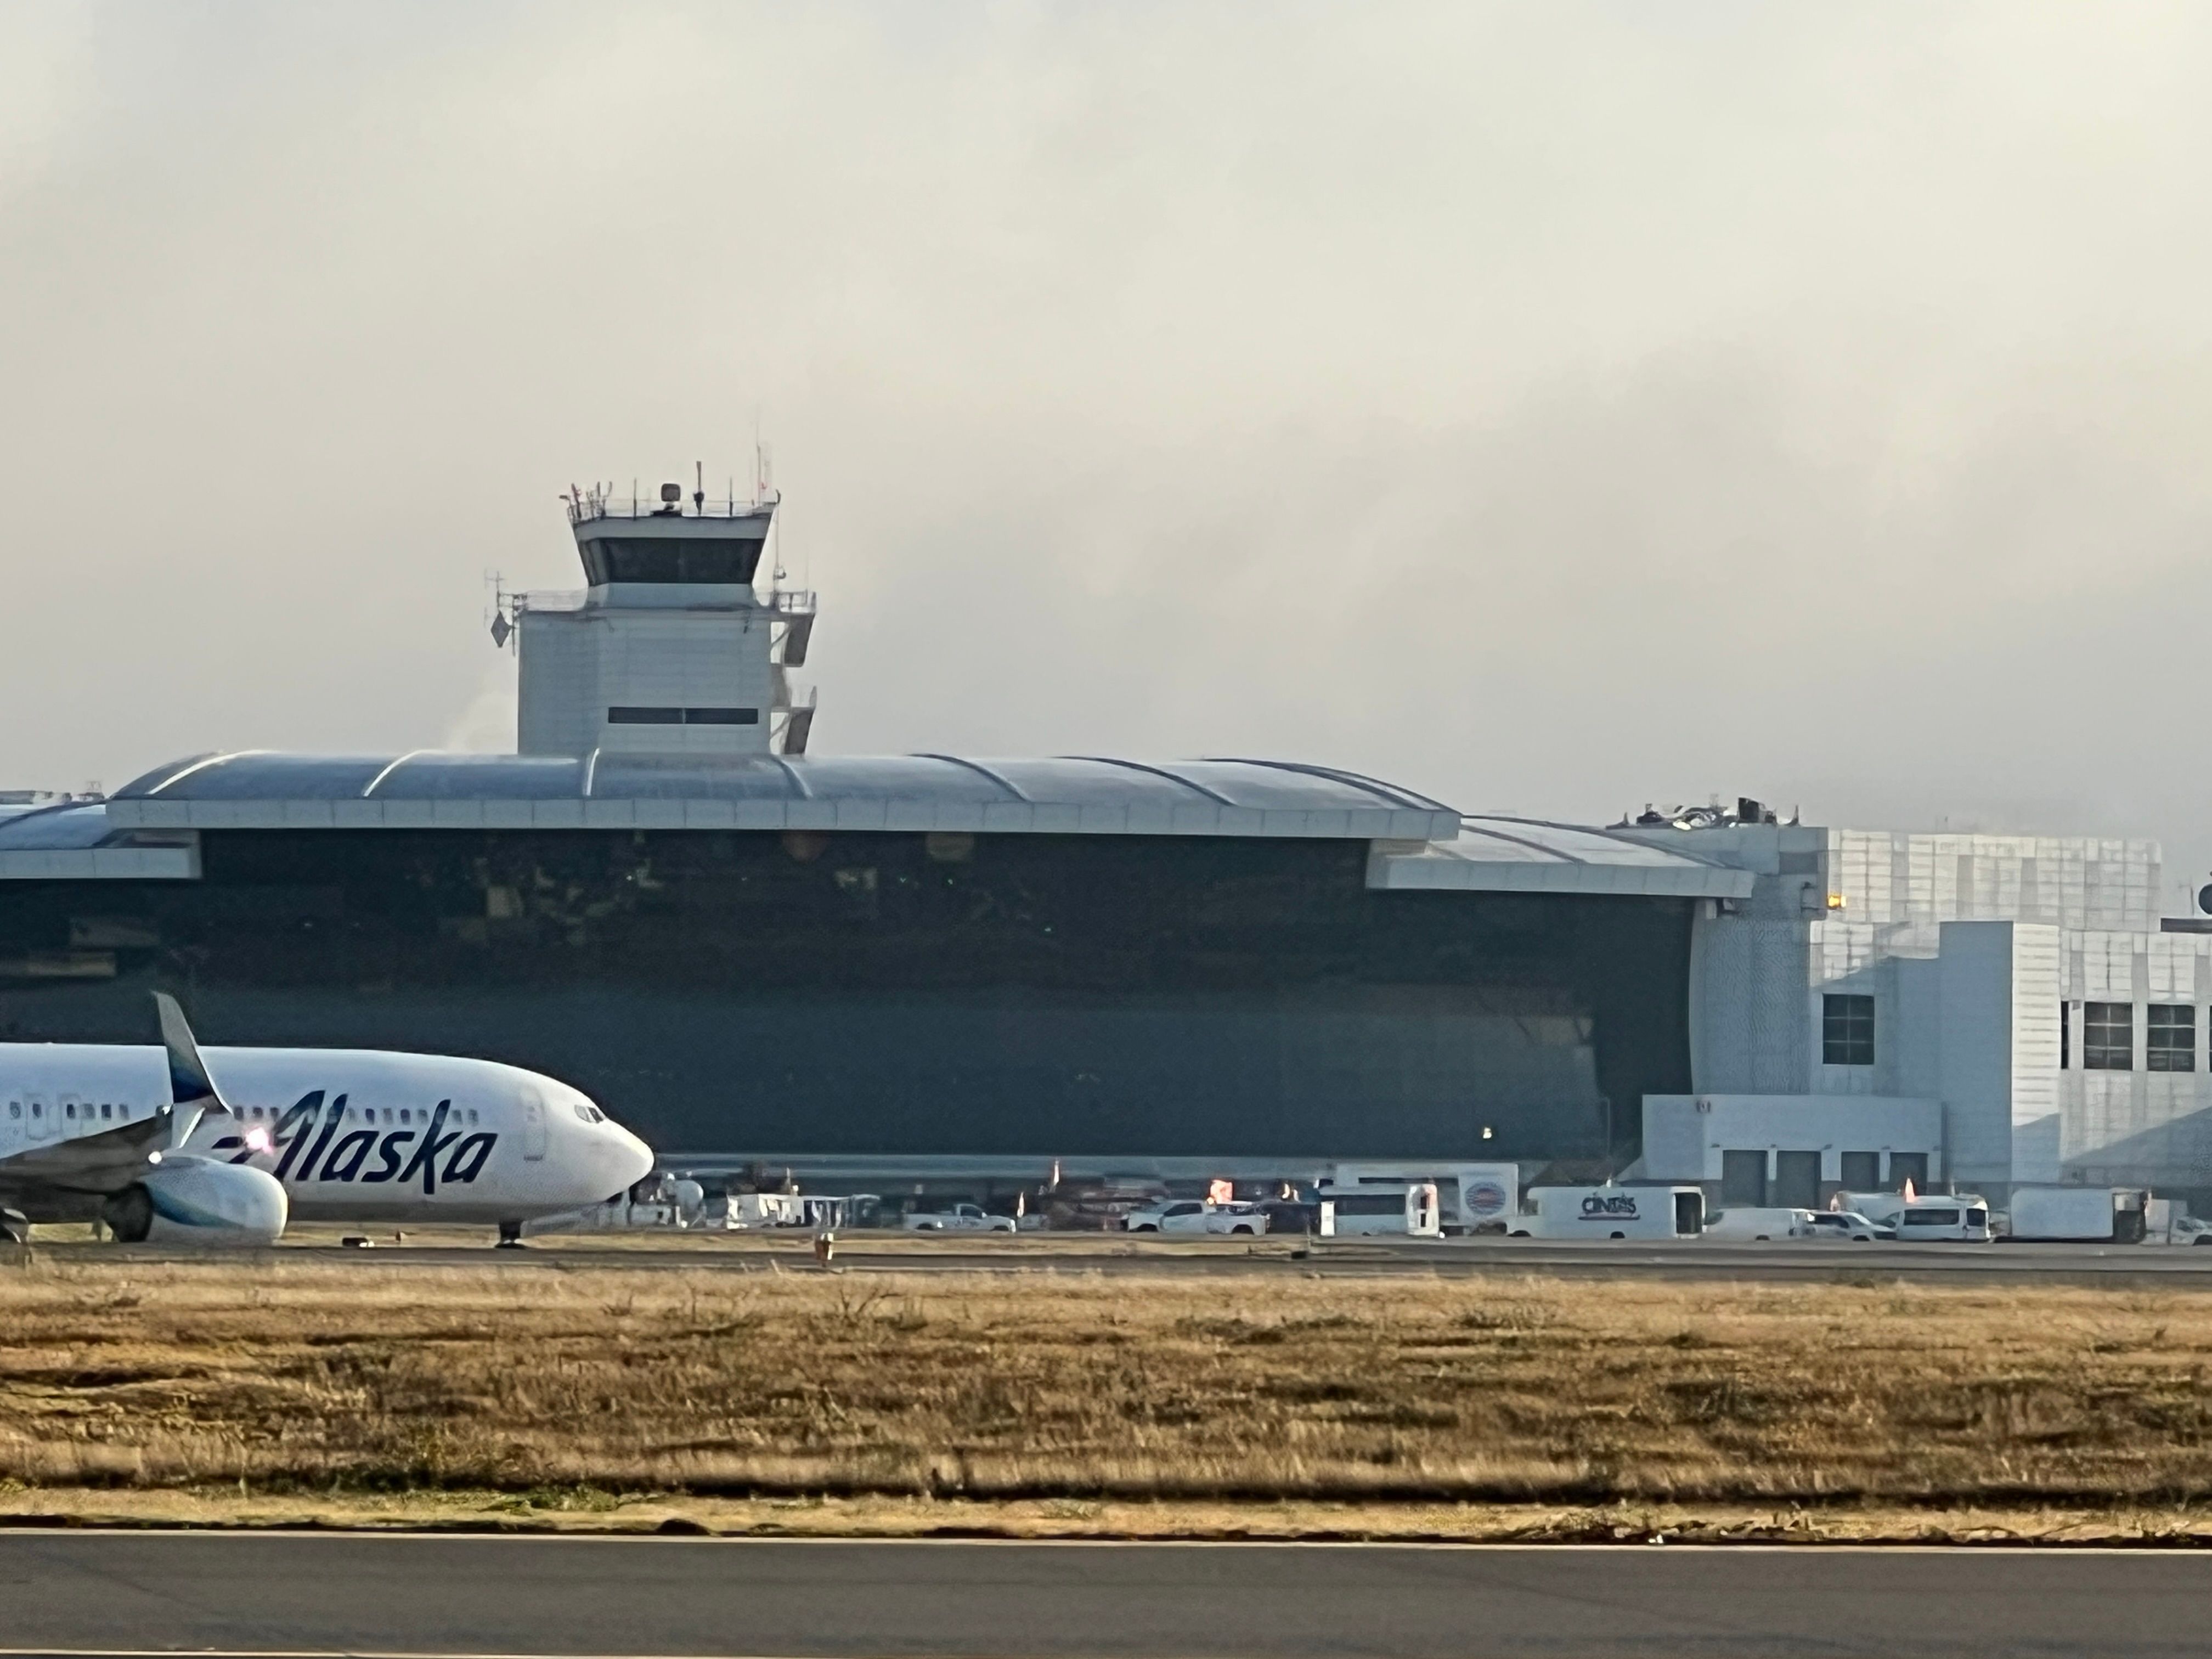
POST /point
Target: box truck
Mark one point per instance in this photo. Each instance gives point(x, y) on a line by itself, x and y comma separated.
point(1613, 1212)
point(2104, 1215)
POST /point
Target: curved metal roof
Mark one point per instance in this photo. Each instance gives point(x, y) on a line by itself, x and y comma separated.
point(1084, 794)
point(71, 841)
point(1499, 854)
point(1421, 845)
point(65, 825)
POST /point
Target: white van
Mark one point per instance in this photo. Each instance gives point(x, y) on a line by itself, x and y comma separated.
point(1962, 1218)
point(1613, 1212)
point(1759, 1224)
point(1407, 1209)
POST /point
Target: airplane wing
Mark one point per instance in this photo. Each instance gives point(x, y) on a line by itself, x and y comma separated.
point(91, 1166)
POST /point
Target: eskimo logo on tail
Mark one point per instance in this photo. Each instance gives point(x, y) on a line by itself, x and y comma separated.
point(312, 1148)
point(189, 1082)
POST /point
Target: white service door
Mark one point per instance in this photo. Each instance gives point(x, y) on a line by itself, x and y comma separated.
point(533, 1127)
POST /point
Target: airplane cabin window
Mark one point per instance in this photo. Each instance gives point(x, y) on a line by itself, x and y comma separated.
point(15, 1109)
point(107, 1109)
point(403, 1117)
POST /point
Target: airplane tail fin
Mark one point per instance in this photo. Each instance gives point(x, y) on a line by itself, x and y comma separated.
point(192, 1093)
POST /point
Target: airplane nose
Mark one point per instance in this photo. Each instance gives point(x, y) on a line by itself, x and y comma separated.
point(633, 1158)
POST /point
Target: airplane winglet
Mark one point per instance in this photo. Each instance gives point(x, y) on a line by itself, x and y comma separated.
point(190, 1088)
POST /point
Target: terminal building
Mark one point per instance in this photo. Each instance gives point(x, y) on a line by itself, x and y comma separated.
point(877, 967)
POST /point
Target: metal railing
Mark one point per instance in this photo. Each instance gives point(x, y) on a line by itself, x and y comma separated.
point(781, 604)
point(601, 502)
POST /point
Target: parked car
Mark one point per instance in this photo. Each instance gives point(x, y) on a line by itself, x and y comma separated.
point(1192, 1215)
point(1847, 1224)
point(960, 1218)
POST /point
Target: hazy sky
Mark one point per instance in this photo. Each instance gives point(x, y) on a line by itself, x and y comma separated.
point(1549, 407)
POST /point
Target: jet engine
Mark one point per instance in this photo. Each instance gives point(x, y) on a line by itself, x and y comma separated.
point(200, 1199)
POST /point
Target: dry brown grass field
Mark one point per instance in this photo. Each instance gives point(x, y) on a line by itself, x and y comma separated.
point(370, 1387)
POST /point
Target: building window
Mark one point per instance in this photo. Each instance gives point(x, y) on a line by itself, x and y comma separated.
point(2065, 1035)
point(2108, 1036)
point(2170, 1040)
point(635, 716)
point(1847, 1031)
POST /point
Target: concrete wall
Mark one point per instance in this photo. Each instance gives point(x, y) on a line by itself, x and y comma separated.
point(577, 665)
point(1685, 1135)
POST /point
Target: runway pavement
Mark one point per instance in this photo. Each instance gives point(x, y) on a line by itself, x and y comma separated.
point(78, 1592)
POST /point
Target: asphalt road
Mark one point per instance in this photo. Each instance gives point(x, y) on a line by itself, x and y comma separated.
point(325, 1594)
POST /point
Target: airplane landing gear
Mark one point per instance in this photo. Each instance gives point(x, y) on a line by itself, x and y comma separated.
point(510, 1236)
point(14, 1227)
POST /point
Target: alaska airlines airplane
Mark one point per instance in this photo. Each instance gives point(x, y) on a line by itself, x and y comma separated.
point(146, 1140)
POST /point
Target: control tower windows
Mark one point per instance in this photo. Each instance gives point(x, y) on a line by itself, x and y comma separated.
point(727, 559)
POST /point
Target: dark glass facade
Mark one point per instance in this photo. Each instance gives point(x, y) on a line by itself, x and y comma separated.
point(1001, 995)
point(727, 561)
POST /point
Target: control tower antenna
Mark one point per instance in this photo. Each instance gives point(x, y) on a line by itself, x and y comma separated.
point(698, 486)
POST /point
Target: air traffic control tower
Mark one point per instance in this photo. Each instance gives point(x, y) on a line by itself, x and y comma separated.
point(671, 650)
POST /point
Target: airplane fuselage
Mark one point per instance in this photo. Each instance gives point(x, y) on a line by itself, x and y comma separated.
point(352, 1134)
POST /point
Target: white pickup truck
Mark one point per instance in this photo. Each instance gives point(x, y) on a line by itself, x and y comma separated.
point(1191, 1215)
point(960, 1218)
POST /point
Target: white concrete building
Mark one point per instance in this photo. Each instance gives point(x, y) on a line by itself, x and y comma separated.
point(1995, 1009)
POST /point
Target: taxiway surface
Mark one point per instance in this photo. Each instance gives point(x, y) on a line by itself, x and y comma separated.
point(2099, 1264)
point(265, 1594)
